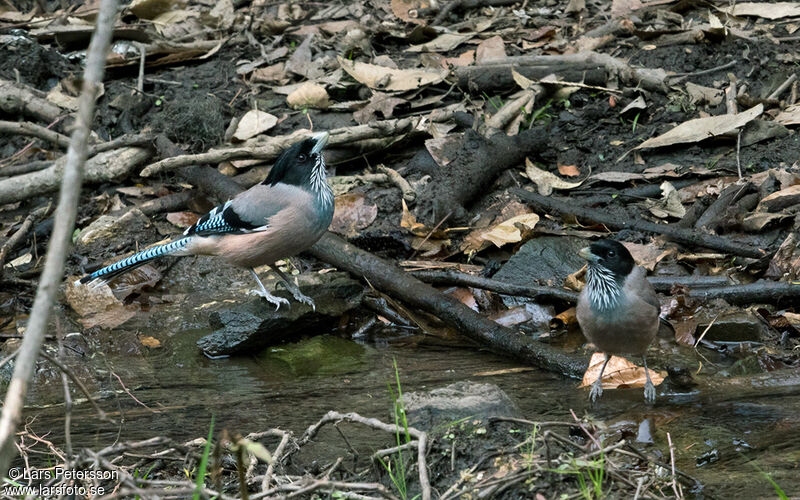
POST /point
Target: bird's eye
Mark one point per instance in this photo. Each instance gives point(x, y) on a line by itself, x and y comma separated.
point(611, 253)
point(301, 158)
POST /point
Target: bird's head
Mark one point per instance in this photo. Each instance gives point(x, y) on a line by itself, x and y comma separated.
point(302, 164)
point(609, 256)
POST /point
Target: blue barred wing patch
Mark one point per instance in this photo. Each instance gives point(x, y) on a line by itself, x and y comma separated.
point(223, 219)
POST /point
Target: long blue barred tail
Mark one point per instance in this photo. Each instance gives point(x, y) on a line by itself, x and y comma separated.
point(135, 260)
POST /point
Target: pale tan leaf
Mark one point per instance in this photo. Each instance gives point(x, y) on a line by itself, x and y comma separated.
point(703, 128)
point(442, 43)
point(774, 10)
point(383, 78)
point(253, 123)
point(508, 231)
point(546, 181)
point(789, 116)
point(309, 95)
point(618, 373)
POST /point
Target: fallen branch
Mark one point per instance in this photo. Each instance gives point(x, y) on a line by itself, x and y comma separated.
point(616, 69)
point(34, 130)
point(103, 167)
point(17, 99)
point(758, 292)
point(450, 277)
point(61, 239)
point(270, 148)
point(552, 205)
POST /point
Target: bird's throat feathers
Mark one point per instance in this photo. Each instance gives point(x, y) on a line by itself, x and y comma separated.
point(604, 288)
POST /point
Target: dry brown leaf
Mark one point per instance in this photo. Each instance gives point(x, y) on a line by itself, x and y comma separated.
point(781, 199)
point(465, 296)
point(271, 74)
point(389, 79)
point(684, 331)
point(465, 59)
point(253, 123)
point(767, 10)
point(409, 221)
point(546, 181)
point(400, 9)
point(489, 49)
point(619, 373)
point(647, 255)
point(309, 95)
point(442, 43)
point(564, 319)
point(182, 219)
point(379, 102)
point(352, 213)
point(512, 230)
point(702, 128)
point(704, 95)
point(569, 170)
point(669, 205)
point(150, 342)
point(789, 116)
point(149, 9)
point(621, 8)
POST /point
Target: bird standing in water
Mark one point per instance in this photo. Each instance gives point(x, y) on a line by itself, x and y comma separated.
point(278, 218)
point(618, 308)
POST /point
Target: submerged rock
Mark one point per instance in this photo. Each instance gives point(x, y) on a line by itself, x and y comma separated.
point(443, 406)
point(734, 326)
point(255, 324)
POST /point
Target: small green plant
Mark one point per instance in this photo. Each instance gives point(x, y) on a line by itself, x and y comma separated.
point(775, 486)
point(395, 466)
point(201, 472)
point(136, 476)
point(589, 474)
point(496, 102)
point(635, 121)
point(530, 447)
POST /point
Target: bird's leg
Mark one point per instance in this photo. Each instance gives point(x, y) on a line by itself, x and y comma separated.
point(295, 291)
point(276, 301)
point(649, 388)
point(597, 387)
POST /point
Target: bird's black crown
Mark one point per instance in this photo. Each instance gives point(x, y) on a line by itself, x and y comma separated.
point(297, 163)
point(613, 256)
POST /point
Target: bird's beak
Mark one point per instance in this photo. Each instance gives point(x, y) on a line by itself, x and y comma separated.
point(587, 254)
point(322, 140)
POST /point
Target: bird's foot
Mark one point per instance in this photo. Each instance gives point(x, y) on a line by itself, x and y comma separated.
point(276, 301)
point(649, 392)
point(596, 391)
point(305, 299)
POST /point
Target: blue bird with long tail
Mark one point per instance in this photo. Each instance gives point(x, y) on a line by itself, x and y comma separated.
point(278, 218)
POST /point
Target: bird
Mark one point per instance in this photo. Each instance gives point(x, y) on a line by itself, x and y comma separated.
point(278, 218)
point(618, 309)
